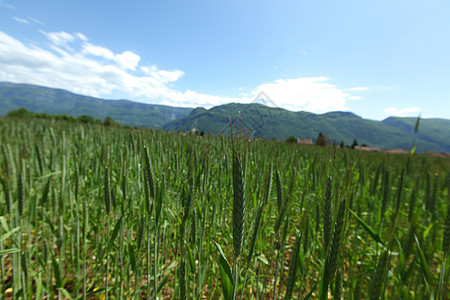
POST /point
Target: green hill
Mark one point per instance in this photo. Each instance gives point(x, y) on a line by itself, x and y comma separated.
point(56, 101)
point(256, 120)
point(267, 122)
point(431, 132)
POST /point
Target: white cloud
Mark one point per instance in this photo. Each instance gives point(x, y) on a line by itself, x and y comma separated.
point(28, 20)
point(167, 76)
point(7, 5)
point(91, 69)
point(59, 38)
point(39, 22)
point(403, 112)
point(20, 20)
point(71, 62)
point(313, 94)
point(149, 70)
point(358, 89)
point(89, 49)
point(81, 36)
point(128, 60)
point(354, 97)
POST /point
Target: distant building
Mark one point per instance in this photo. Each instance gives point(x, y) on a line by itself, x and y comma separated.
point(432, 153)
point(366, 148)
point(304, 141)
point(397, 151)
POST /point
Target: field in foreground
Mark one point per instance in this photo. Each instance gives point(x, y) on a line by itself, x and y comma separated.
point(98, 212)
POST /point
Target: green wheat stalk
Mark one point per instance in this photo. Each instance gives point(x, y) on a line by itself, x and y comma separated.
point(327, 214)
point(379, 275)
point(333, 254)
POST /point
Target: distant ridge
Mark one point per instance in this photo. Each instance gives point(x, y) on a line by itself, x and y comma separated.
point(57, 101)
point(275, 123)
point(257, 120)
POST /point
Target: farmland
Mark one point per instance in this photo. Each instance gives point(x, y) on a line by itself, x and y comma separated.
point(95, 212)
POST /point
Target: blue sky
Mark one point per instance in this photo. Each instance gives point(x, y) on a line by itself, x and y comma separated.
point(376, 59)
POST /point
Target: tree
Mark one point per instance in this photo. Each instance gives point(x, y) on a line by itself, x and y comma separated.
point(86, 119)
point(291, 140)
point(109, 122)
point(355, 143)
point(21, 113)
point(322, 140)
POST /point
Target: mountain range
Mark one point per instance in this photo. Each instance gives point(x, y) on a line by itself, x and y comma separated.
point(256, 120)
point(56, 101)
point(269, 122)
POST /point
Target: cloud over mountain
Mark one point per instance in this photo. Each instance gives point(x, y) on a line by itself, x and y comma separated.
point(71, 61)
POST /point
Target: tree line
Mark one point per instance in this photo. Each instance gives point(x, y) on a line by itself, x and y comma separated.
point(25, 113)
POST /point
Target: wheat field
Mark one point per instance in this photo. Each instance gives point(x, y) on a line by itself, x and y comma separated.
point(96, 212)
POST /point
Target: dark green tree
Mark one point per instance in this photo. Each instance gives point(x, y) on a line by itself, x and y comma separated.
point(109, 122)
point(21, 113)
point(86, 119)
point(322, 140)
point(291, 140)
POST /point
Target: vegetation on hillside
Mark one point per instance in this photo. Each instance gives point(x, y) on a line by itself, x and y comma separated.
point(25, 114)
point(57, 102)
point(269, 122)
point(258, 121)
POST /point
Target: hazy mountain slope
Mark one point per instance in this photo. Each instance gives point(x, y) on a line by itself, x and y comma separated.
point(256, 120)
point(431, 131)
point(56, 101)
point(261, 121)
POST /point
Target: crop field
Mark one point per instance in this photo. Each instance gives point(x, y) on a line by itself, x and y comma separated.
point(103, 212)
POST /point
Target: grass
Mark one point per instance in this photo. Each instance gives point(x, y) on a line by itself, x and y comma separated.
point(92, 212)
